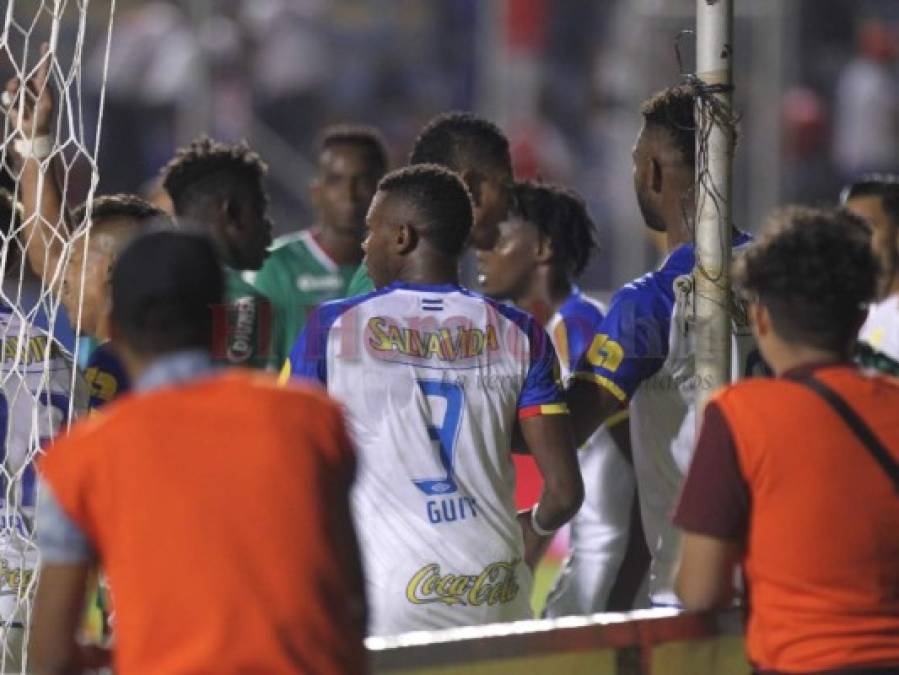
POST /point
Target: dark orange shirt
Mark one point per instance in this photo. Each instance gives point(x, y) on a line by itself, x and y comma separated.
point(219, 511)
point(777, 468)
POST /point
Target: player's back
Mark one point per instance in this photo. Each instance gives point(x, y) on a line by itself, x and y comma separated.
point(432, 378)
point(220, 511)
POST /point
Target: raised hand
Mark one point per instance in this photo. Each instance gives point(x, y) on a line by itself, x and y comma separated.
point(33, 119)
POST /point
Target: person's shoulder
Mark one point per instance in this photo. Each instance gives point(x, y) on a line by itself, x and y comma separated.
point(579, 309)
point(515, 315)
point(740, 394)
point(289, 240)
point(238, 288)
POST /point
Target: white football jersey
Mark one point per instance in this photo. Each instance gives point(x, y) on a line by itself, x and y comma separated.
point(35, 399)
point(644, 355)
point(432, 379)
point(881, 328)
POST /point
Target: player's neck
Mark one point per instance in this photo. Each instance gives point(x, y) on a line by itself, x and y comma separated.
point(430, 271)
point(784, 358)
point(344, 248)
point(545, 294)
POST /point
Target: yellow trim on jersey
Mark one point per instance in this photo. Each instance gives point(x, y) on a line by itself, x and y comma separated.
point(284, 375)
point(604, 382)
point(617, 418)
point(554, 409)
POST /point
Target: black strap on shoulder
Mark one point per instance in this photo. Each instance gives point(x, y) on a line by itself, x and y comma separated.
point(854, 422)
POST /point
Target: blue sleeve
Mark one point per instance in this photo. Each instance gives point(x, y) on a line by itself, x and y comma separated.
point(632, 342)
point(59, 539)
point(309, 356)
point(541, 393)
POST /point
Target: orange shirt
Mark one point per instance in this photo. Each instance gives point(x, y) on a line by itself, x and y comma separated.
point(219, 510)
point(818, 515)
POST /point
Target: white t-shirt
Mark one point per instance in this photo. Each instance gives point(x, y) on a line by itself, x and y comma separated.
point(35, 396)
point(881, 329)
point(432, 378)
point(644, 355)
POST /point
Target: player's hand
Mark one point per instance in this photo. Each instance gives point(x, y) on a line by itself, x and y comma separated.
point(535, 545)
point(38, 107)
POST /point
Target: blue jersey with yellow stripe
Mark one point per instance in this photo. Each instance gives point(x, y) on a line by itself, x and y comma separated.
point(643, 354)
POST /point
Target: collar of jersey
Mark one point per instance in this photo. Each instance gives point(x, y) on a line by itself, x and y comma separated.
point(430, 288)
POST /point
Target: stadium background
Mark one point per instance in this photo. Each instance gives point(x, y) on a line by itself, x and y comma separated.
point(562, 77)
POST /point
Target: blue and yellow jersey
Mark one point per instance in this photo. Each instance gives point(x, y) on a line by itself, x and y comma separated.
point(106, 376)
point(644, 355)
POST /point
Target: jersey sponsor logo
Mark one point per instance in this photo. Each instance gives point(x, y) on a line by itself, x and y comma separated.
point(445, 344)
point(307, 283)
point(28, 351)
point(242, 330)
point(14, 579)
point(496, 584)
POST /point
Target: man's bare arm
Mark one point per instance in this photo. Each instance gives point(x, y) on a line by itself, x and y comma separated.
point(550, 442)
point(705, 572)
point(44, 231)
point(591, 406)
point(58, 608)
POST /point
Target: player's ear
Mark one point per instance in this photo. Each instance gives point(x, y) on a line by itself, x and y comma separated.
point(760, 319)
point(473, 181)
point(656, 176)
point(315, 192)
point(405, 238)
point(545, 250)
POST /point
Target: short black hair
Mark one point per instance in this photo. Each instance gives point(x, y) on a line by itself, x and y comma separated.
point(132, 207)
point(366, 137)
point(462, 141)
point(814, 270)
point(673, 109)
point(441, 200)
point(560, 214)
point(165, 287)
point(883, 185)
point(207, 168)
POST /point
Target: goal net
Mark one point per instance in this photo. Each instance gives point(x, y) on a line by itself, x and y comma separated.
point(43, 46)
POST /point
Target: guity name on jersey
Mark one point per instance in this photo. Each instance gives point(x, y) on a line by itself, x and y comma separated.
point(451, 509)
point(497, 583)
point(468, 342)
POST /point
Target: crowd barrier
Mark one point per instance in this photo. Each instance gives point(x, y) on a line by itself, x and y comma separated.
point(647, 642)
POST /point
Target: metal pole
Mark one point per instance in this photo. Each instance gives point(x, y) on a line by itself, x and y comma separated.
point(711, 276)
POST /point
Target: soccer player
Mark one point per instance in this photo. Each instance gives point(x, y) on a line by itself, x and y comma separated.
point(219, 189)
point(642, 355)
point(478, 152)
point(542, 247)
point(312, 266)
point(433, 377)
point(797, 476)
point(36, 397)
point(47, 229)
point(226, 531)
point(876, 199)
